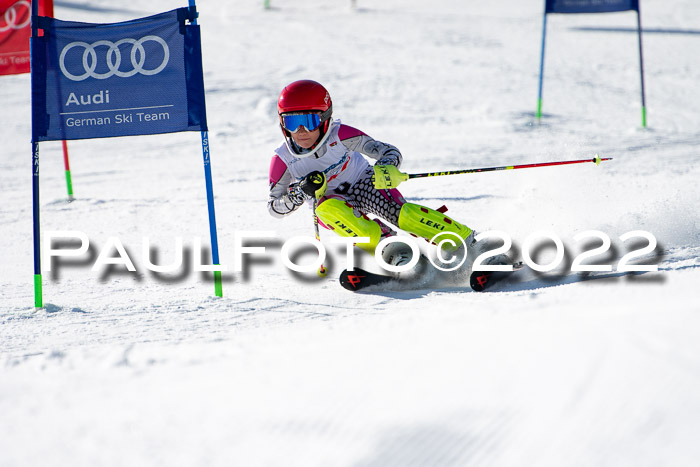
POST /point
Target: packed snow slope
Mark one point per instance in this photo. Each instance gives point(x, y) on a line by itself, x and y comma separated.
point(138, 368)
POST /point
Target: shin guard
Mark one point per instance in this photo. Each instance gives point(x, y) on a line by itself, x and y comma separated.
point(340, 217)
point(427, 223)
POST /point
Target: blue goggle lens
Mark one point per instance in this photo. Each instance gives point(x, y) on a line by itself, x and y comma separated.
point(308, 121)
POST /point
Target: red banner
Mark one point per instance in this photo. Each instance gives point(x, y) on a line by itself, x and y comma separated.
point(15, 31)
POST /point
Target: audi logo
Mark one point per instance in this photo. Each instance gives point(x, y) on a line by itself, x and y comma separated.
point(12, 15)
point(114, 58)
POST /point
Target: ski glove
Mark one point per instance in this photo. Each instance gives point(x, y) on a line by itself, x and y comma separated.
point(313, 186)
point(296, 195)
point(387, 177)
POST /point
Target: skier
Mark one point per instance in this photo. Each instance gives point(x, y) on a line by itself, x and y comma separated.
point(320, 160)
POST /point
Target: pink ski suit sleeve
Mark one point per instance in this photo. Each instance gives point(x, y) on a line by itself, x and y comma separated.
point(278, 203)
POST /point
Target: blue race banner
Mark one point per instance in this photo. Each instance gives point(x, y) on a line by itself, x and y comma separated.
point(137, 77)
point(590, 6)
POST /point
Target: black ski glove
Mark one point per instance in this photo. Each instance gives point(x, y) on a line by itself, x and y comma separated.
point(311, 186)
point(296, 195)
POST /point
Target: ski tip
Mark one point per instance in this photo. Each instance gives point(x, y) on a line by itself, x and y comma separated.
point(479, 280)
point(359, 279)
point(482, 280)
point(352, 280)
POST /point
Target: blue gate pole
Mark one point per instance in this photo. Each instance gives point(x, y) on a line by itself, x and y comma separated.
point(538, 114)
point(38, 293)
point(36, 206)
point(641, 68)
point(218, 287)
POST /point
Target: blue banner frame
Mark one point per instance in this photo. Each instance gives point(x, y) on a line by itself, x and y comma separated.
point(591, 6)
point(138, 77)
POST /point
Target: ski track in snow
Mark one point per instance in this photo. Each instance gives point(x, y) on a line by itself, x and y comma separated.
point(148, 369)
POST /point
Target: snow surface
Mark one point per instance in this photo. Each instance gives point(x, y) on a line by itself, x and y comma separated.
point(142, 369)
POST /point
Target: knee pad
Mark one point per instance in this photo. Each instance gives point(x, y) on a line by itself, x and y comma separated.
point(340, 217)
point(427, 223)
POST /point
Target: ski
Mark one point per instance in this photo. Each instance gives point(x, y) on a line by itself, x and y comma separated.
point(482, 280)
point(479, 281)
point(359, 279)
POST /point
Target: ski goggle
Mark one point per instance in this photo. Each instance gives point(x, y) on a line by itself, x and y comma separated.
point(292, 122)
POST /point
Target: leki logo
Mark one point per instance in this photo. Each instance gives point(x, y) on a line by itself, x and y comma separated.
point(15, 17)
point(355, 279)
point(482, 279)
point(114, 58)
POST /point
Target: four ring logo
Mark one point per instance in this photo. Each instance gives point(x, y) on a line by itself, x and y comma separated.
point(15, 17)
point(114, 58)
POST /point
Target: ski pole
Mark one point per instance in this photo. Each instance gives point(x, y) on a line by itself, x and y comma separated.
point(321, 270)
point(597, 160)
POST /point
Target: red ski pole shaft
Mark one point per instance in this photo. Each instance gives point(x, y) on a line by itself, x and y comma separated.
point(597, 160)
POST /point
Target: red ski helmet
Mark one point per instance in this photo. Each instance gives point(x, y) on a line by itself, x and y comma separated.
point(305, 96)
